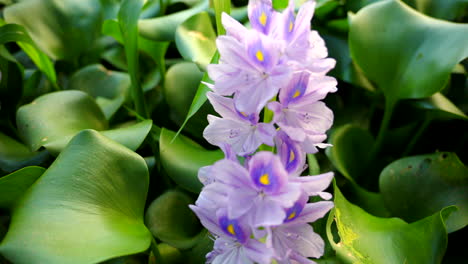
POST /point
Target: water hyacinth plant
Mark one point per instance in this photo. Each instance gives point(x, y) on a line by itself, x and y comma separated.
point(243, 131)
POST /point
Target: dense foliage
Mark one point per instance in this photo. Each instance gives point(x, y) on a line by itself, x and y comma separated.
point(103, 104)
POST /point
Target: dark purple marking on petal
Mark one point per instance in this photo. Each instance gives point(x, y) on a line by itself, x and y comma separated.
point(260, 17)
point(289, 25)
point(297, 87)
point(259, 55)
point(232, 228)
point(267, 173)
point(289, 152)
point(293, 212)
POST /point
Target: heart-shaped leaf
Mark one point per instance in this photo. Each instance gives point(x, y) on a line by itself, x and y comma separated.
point(396, 57)
point(109, 88)
point(14, 185)
point(182, 158)
point(195, 40)
point(14, 155)
point(63, 29)
point(170, 220)
point(86, 208)
point(416, 187)
point(164, 28)
point(365, 238)
point(53, 119)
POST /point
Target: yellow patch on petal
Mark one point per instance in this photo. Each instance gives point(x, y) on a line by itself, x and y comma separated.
point(259, 55)
point(243, 114)
point(291, 25)
point(291, 156)
point(292, 215)
point(296, 94)
point(262, 19)
point(230, 229)
point(264, 179)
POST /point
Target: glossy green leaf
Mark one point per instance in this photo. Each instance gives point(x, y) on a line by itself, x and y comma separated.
point(356, 5)
point(54, 115)
point(350, 151)
point(128, 21)
point(164, 28)
point(219, 7)
point(195, 39)
point(197, 254)
point(63, 29)
point(416, 187)
point(182, 158)
point(397, 57)
point(14, 155)
point(439, 107)
point(17, 33)
point(169, 254)
point(200, 96)
point(442, 9)
point(280, 4)
point(180, 87)
point(109, 88)
point(82, 214)
point(53, 119)
point(14, 185)
point(170, 220)
point(365, 238)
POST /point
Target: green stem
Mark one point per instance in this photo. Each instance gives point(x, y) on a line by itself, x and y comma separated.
point(416, 136)
point(221, 6)
point(389, 106)
point(155, 250)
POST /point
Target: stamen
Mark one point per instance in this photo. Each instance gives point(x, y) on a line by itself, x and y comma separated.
point(263, 19)
point(259, 55)
point(264, 179)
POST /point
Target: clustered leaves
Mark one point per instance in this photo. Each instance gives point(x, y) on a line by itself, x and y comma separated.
point(187, 131)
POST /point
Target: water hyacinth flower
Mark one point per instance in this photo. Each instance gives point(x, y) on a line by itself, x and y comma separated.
point(259, 211)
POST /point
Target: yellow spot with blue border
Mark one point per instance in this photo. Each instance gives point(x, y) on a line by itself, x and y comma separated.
point(259, 55)
point(291, 156)
point(291, 25)
point(230, 229)
point(292, 215)
point(264, 179)
point(296, 94)
point(262, 19)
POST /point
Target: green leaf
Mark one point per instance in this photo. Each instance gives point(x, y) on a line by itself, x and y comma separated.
point(197, 254)
point(82, 214)
point(439, 107)
point(163, 28)
point(128, 21)
point(365, 238)
point(280, 4)
point(350, 151)
point(170, 220)
point(396, 57)
point(53, 119)
point(54, 115)
point(14, 185)
point(195, 39)
point(17, 33)
point(63, 29)
point(416, 187)
point(11, 88)
point(180, 87)
point(200, 96)
point(219, 7)
point(109, 88)
point(14, 155)
point(182, 159)
point(442, 9)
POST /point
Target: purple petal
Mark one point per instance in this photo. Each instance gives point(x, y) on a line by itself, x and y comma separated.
point(225, 107)
point(232, 52)
point(288, 195)
point(314, 184)
point(290, 153)
point(205, 176)
point(212, 196)
point(240, 201)
point(258, 252)
point(266, 133)
point(224, 75)
point(233, 27)
point(314, 117)
point(313, 211)
point(266, 213)
point(304, 16)
point(295, 89)
point(307, 242)
point(233, 227)
point(252, 99)
point(208, 219)
point(231, 174)
point(260, 15)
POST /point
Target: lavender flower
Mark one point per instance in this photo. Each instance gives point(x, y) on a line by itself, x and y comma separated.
point(241, 131)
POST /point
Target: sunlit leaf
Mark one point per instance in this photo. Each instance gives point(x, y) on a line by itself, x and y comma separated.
point(182, 159)
point(82, 214)
point(14, 185)
point(170, 220)
point(442, 9)
point(439, 107)
point(63, 29)
point(364, 238)
point(396, 57)
point(416, 187)
point(195, 39)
